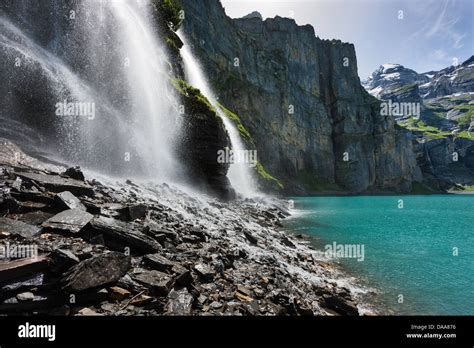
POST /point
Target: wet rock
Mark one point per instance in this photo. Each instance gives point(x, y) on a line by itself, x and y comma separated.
point(63, 260)
point(97, 239)
point(34, 217)
point(128, 283)
point(158, 282)
point(67, 200)
point(55, 183)
point(96, 271)
point(282, 208)
point(74, 173)
point(287, 242)
point(71, 221)
point(32, 195)
point(25, 283)
point(141, 300)
point(119, 235)
point(244, 291)
point(180, 302)
point(340, 305)
point(137, 211)
point(14, 206)
point(91, 296)
point(158, 262)
point(250, 237)
point(25, 296)
point(198, 232)
point(215, 305)
point(242, 297)
point(183, 275)
point(191, 239)
point(91, 207)
point(118, 294)
point(19, 228)
point(303, 309)
point(39, 304)
point(205, 273)
point(153, 229)
point(88, 312)
point(23, 267)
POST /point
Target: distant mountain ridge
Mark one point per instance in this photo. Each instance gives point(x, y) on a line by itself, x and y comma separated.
point(444, 130)
point(450, 80)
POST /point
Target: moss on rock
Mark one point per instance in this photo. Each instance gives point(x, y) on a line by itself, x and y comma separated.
point(198, 103)
point(266, 180)
point(264, 175)
point(244, 133)
point(170, 11)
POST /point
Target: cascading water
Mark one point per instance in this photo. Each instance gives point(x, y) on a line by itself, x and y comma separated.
point(239, 174)
point(102, 61)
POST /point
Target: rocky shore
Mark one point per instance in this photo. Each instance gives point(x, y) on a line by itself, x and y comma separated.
point(72, 245)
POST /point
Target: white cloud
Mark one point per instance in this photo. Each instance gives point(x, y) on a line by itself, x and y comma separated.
point(439, 54)
point(438, 20)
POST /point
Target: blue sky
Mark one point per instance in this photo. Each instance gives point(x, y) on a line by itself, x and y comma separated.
point(428, 37)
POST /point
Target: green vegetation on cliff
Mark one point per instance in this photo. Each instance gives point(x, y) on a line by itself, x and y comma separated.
point(468, 112)
point(199, 103)
point(406, 88)
point(248, 139)
point(170, 10)
point(244, 133)
point(263, 174)
point(431, 132)
point(171, 16)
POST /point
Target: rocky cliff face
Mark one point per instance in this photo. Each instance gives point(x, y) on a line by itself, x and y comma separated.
point(300, 97)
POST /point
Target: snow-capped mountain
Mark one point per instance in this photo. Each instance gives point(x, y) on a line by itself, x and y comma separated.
point(451, 80)
point(389, 78)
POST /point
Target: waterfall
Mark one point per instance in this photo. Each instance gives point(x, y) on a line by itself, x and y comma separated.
point(239, 174)
point(102, 79)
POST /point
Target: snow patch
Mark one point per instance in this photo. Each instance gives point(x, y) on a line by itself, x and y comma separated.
point(389, 66)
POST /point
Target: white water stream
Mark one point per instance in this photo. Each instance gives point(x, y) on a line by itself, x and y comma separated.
point(240, 174)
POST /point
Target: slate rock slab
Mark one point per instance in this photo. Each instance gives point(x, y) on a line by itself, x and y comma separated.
point(56, 183)
point(204, 272)
point(119, 235)
point(158, 262)
point(19, 228)
point(180, 302)
point(22, 267)
point(96, 271)
point(71, 220)
point(158, 282)
point(67, 200)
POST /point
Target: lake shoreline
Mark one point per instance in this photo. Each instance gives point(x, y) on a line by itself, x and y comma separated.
point(411, 246)
point(132, 248)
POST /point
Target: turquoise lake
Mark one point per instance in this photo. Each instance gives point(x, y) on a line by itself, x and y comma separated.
point(421, 248)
